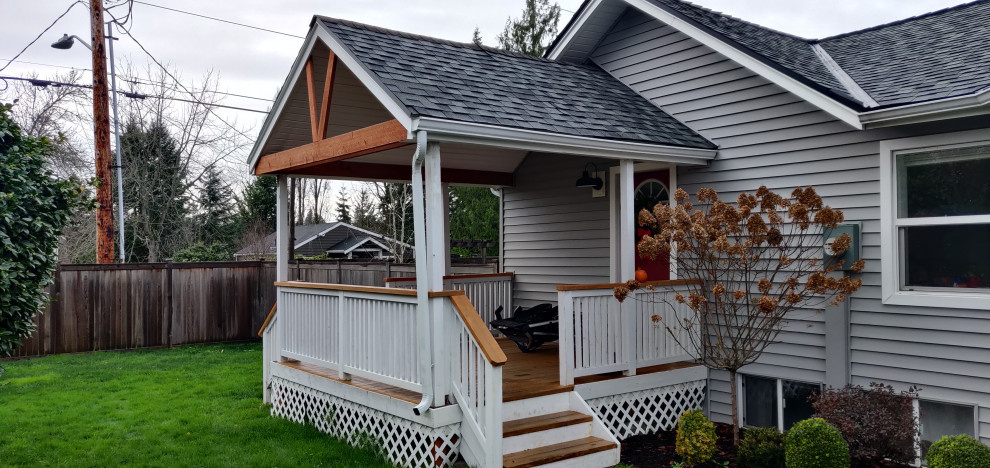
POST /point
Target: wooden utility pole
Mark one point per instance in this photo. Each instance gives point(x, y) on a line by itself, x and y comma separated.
point(101, 130)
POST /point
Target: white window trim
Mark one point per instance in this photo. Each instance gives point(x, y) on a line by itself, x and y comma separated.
point(890, 261)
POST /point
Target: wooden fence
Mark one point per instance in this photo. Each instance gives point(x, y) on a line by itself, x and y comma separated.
point(128, 306)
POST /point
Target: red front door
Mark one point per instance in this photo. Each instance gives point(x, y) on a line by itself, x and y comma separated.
point(651, 188)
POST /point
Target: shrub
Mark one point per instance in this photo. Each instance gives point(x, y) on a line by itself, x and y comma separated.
point(695, 438)
point(761, 447)
point(960, 451)
point(814, 443)
point(876, 423)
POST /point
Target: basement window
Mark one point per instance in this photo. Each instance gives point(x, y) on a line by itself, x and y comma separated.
point(779, 403)
point(940, 419)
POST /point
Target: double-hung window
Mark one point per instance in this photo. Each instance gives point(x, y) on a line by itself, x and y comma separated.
point(935, 216)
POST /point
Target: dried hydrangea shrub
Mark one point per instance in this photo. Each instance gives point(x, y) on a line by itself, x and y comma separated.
point(755, 261)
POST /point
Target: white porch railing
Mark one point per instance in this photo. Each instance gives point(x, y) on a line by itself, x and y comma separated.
point(486, 291)
point(476, 381)
point(598, 334)
point(362, 331)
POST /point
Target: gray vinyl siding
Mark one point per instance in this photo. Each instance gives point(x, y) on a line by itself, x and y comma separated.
point(767, 136)
point(553, 232)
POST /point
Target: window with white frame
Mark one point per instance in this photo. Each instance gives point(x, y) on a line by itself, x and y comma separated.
point(940, 419)
point(936, 244)
point(776, 403)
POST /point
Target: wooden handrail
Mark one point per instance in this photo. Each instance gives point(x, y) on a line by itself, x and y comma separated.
point(472, 321)
point(588, 287)
point(364, 289)
point(479, 275)
point(268, 319)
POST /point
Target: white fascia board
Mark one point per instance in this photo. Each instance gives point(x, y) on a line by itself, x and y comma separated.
point(369, 239)
point(572, 32)
point(802, 90)
point(503, 137)
point(963, 106)
point(318, 31)
point(370, 233)
point(391, 103)
point(283, 97)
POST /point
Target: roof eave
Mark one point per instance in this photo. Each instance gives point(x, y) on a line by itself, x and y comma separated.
point(530, 140)
point(951, 108)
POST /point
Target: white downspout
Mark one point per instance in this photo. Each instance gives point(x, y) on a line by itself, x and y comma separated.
point(423, 327)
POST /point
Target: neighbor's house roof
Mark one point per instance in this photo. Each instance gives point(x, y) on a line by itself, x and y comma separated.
point(317, 239)
point(471, 83)
point(939, 56)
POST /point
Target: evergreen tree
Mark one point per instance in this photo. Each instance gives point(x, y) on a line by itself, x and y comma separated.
point(260, 203)
point(477, 36)
point(216, 220)
point(343, 207)
point(474, 215)
point(155, 192)
point(533, 31)
point(364, 211)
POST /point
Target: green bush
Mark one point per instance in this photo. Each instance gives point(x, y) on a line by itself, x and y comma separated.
point(814, 443)
point(761, 447)
point(696, 439)
point(960, 451)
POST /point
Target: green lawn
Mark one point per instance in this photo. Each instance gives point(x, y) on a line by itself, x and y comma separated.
point(192, 406)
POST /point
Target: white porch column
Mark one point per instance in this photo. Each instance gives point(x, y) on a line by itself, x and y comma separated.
point(627, 260)
point(282, 229)
point(437, 260)
point(627, 221)
point(446, 227)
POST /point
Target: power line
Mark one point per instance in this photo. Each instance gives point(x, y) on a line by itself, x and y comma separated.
point(44, 83)
point(142, 81)
point(219, 19)
point(67, 10)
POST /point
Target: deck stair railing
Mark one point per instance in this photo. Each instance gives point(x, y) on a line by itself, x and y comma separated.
point(486, 291)
point(359, 331)
point(476, 381)
point(599, 335)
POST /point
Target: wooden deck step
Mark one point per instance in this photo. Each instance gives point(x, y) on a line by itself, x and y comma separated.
point(543, 423)
point(556, 452)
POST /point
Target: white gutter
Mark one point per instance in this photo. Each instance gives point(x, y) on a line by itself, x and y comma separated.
point(503, 137)
point(423, 337)
point(963, 106)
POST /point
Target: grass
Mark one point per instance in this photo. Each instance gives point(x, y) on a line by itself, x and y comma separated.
point(192, 406)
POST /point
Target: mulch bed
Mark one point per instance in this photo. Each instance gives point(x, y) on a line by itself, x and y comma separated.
point(657, 450)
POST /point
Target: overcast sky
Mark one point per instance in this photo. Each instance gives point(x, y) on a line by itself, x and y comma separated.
point(255, 63)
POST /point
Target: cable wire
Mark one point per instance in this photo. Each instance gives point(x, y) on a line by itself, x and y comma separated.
point(219, 19)
point(67, 10)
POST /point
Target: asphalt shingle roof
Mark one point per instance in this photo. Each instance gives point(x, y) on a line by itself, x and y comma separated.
point(934, 56)
point(349, 242)
point(469, 83)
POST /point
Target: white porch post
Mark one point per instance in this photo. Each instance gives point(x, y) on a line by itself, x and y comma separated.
point(627, 260)
point(437, 258)
point(446, 227)
point(282, 229)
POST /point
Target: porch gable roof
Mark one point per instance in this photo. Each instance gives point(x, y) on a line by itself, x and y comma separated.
point(453, 81)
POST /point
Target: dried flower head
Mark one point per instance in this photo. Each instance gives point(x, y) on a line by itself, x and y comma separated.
point(718, 290)
point(620, 293)
point(842, 244)
point(767, 304)
point(738, 294)
point(680, 195)
point(764, 285)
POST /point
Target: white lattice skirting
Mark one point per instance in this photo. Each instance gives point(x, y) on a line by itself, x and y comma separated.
point(648, 411)
point(404, 443)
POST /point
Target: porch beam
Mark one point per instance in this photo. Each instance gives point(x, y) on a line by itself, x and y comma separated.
point(374, 171)
point(378, 137)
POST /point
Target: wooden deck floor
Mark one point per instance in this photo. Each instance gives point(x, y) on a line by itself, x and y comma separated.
point(525, 375)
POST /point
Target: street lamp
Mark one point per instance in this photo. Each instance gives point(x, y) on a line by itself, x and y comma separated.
point(66, 42)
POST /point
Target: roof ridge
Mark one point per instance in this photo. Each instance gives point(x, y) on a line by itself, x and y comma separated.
point(437, 40)
point(726, 15)
point(900, 21)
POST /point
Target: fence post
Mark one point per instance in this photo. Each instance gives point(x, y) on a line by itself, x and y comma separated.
point(168, 299)
point(342, 337)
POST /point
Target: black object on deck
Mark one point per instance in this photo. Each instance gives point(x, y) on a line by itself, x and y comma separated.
point(529, 328)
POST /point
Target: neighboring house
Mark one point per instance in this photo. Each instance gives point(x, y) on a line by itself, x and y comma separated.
point(337, 240)
point(890, 124)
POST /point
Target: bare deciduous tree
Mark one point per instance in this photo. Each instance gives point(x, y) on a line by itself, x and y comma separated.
point(395, 215)
point(754, 262)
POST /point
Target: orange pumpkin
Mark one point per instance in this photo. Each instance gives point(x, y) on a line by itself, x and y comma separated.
point(641, 275)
